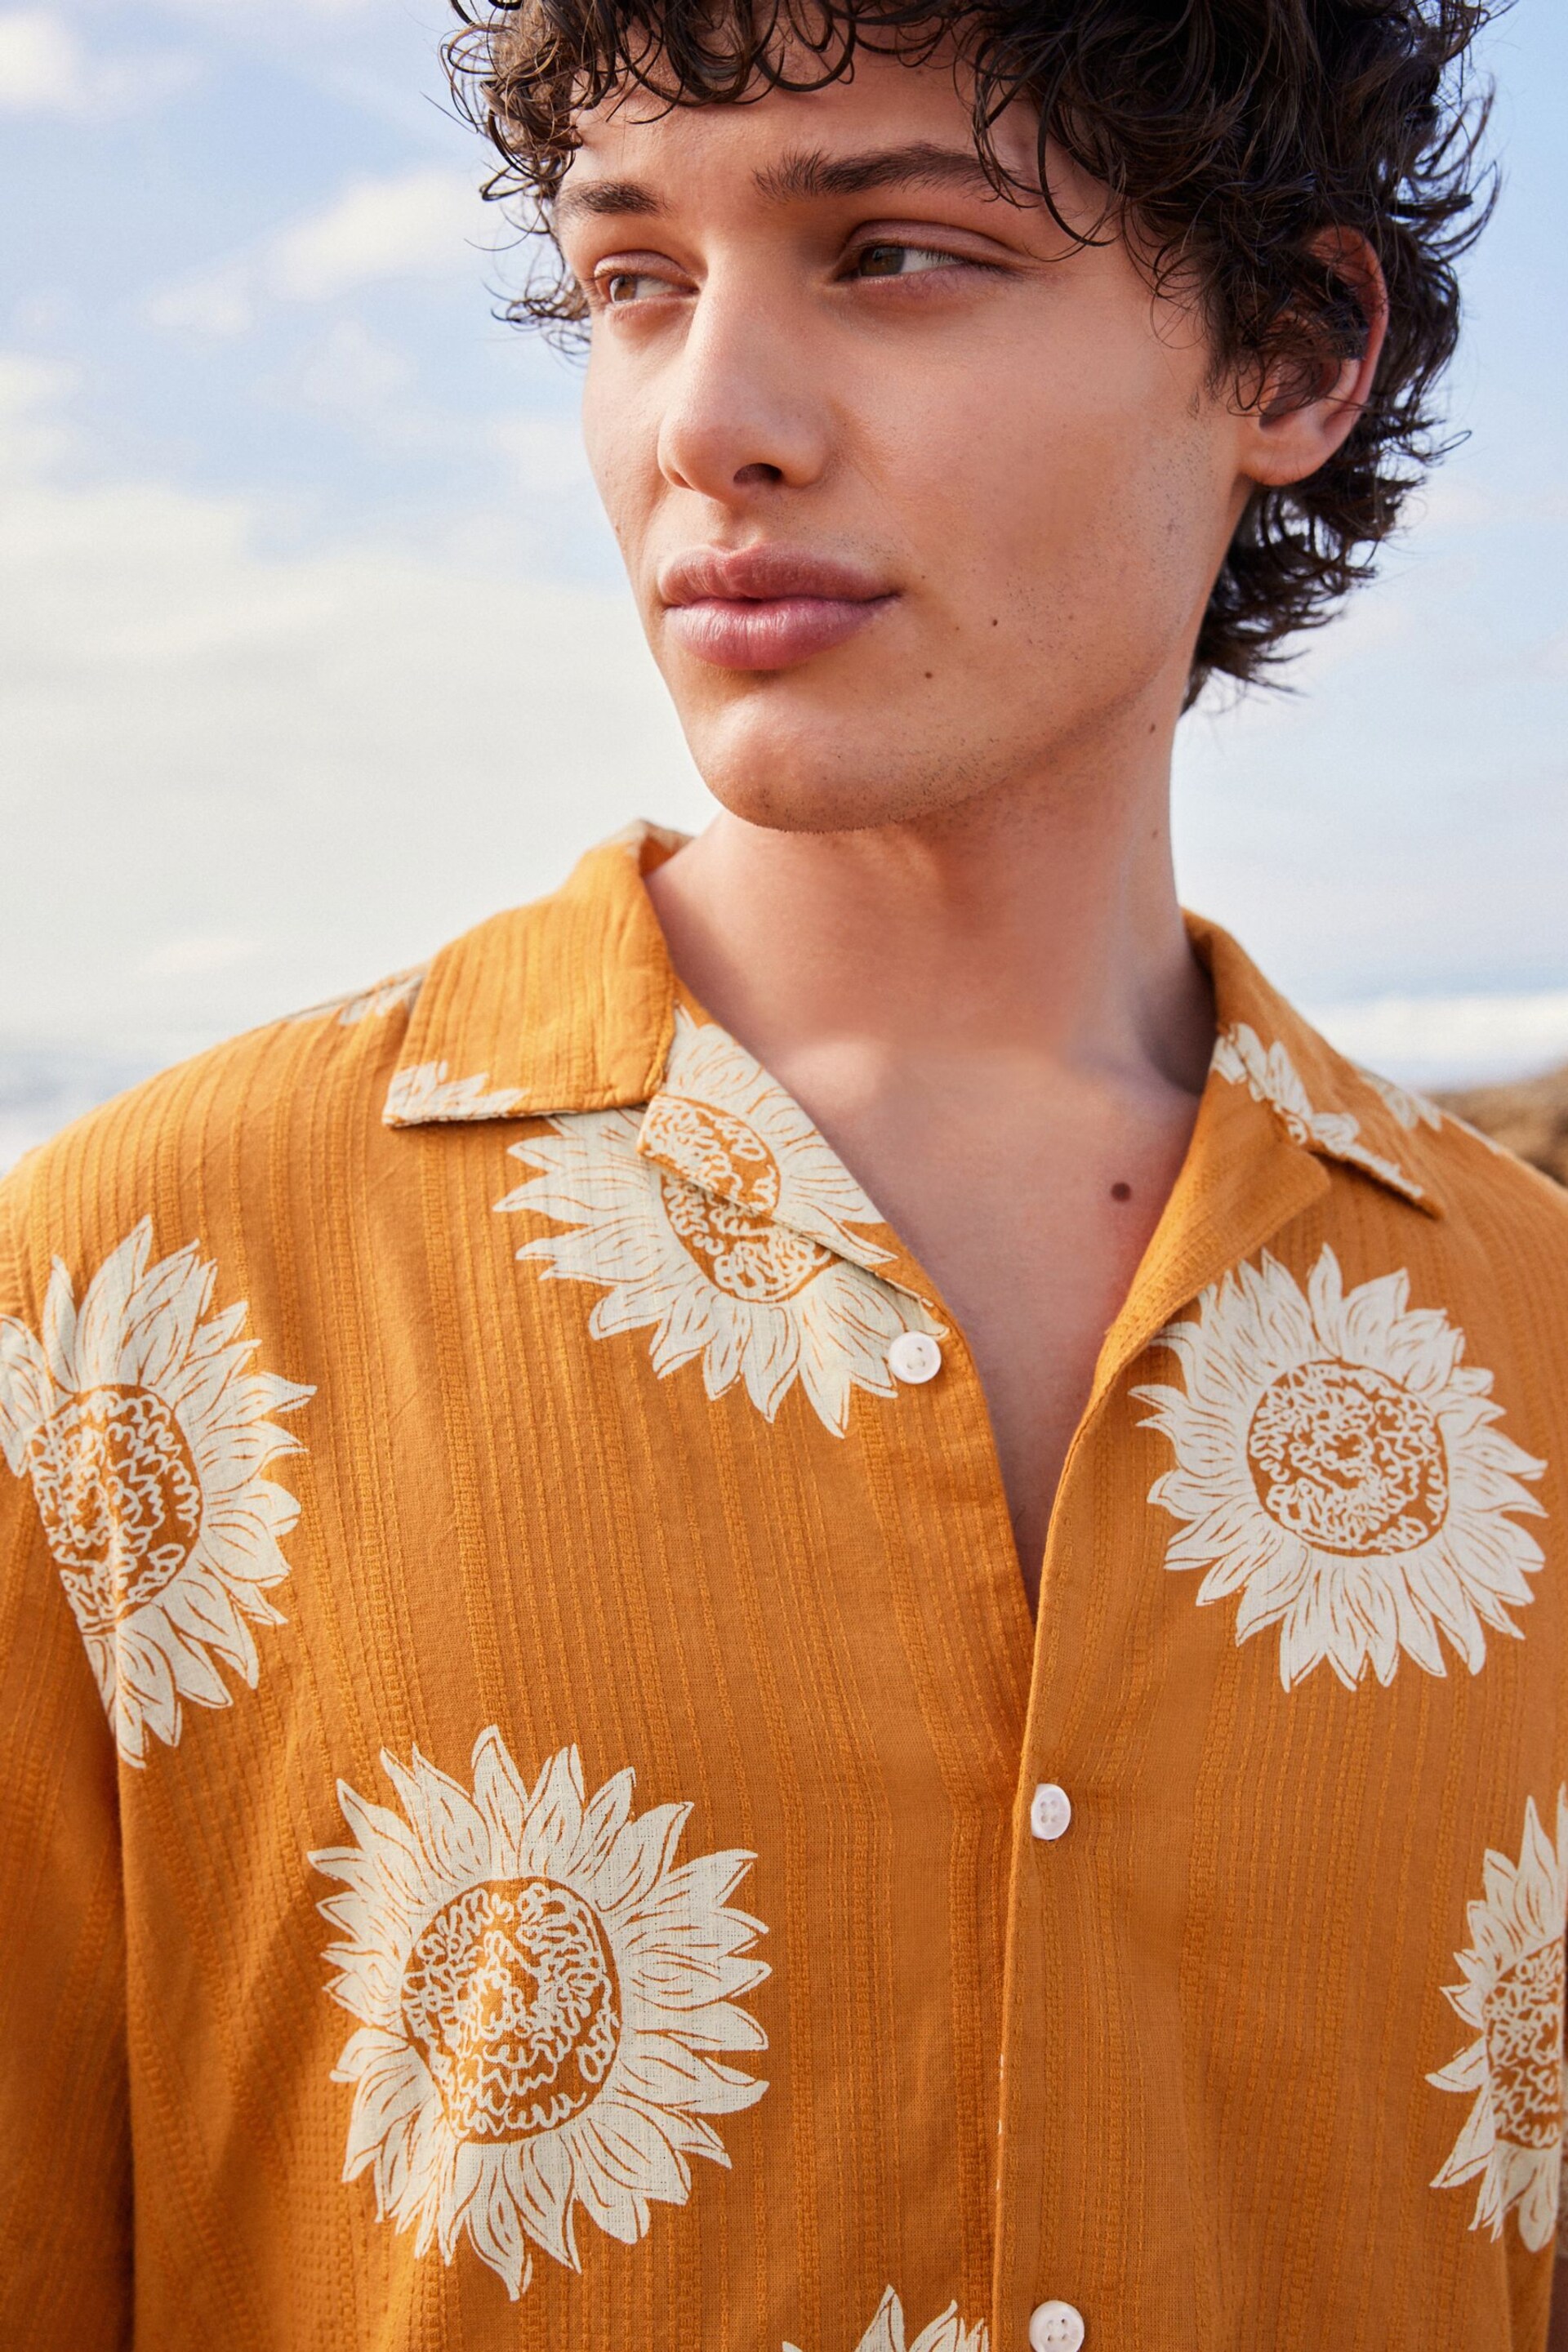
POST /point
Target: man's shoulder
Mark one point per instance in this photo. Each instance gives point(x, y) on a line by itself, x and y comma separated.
point(564, 1004)
point(1501, 1224)
point(280, 1097)
point(1469, 1169)
point(1415, 1148)
point(1488, 1187)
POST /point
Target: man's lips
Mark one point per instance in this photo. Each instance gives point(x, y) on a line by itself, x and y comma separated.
point(765, 607)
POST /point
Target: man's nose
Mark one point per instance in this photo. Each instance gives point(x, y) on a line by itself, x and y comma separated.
point(747, 407)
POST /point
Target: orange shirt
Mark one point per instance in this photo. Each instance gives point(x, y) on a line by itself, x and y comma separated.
point(536, 1815)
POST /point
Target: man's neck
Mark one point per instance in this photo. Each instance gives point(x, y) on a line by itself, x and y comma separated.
point(1040, 924)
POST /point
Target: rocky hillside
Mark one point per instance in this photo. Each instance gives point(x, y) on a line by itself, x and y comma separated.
point(1529, 1116)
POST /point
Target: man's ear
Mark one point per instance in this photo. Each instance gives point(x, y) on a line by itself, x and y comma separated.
point(1307, 406)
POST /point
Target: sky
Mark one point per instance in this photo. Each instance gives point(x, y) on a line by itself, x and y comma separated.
point(314, 644)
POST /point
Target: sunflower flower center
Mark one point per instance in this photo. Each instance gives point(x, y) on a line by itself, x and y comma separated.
point(512, 1992)
point(1524, 2014)
point(715, 1150)
point(1349, 1460)
point(722, 1211)
point(120, 1496)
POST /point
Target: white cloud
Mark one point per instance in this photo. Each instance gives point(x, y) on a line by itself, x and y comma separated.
point(1453, 1040)
point(1455, 501)
point(200, 952)
point(545, 455)
point(355, 373)
point(426, 222)
point(237, 781)
point(40, 63)
point(218, 302)
point(46, 68)
point(32, 393)
point(397, 227)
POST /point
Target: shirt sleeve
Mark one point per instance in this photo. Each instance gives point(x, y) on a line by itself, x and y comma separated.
point(65, 2136)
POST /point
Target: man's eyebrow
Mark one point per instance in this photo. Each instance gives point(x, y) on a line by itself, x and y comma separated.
point(606, 196)
point(920, 164)
point(809, 171)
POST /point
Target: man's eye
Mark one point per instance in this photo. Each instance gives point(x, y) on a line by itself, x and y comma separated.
point(621, 287)
point(901, 260)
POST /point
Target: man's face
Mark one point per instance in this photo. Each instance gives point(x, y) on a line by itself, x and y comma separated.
point(916, 497)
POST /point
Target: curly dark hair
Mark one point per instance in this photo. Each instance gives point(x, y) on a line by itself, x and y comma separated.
point(1234, 133)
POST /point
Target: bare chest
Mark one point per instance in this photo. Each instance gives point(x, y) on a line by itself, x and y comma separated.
point(1033, 1231)
point(1035, 1296)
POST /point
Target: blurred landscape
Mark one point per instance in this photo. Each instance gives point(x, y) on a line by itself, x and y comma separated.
point(40, 1091)
point(1531, 1118)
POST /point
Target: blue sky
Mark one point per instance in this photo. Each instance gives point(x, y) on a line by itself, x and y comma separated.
point(312, 646)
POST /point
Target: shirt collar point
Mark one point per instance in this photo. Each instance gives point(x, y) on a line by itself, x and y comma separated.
point(563, 1005)
point(1327, 1105)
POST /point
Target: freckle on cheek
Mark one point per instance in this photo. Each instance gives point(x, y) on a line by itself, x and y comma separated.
point(1122, 1192)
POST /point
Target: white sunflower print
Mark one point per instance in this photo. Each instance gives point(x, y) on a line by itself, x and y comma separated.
point(146, 1438)
point(1512, 2000)
point(1339, 1472)
point(948, 2334)
point(1271, 1076)
point(541, 1992)
point(1409, 1107)
point(721, 1218)
point(425, 1091)
point(1413, 1109)
point(369, 1004)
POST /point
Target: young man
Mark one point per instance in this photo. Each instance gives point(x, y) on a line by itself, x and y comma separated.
point(613, 1749)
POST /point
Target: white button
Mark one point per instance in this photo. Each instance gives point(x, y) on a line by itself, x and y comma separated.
point(914, 1357)
point(1050, 1811)
point(1055, 2328)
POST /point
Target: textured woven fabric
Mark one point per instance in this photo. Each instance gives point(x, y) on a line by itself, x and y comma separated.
point(519, 1727)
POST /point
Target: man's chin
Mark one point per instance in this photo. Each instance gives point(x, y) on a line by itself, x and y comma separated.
point(845, 785)
point(816, 805)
